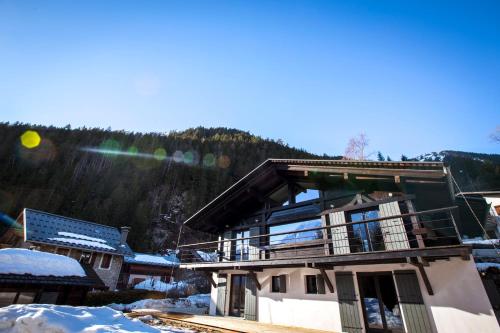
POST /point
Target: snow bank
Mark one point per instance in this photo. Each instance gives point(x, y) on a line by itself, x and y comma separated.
point(45, 318)
point(24, 261)
point(195, 304)
point(157, 285)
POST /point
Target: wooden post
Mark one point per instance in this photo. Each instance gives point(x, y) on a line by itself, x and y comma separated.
point(327, 280)
point(415, 224)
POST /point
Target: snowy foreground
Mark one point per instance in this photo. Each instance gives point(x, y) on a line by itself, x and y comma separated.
point(45, 318)
point(195, 304)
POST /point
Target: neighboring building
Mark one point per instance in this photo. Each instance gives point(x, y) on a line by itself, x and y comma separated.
point(38, 277)
point(142, 266)
point(100, 246)
point(351, 246)
point(486, 206)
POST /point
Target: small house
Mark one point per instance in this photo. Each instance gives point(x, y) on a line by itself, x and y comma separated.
point(142, 266)
point(99, 246)
point(30, 276)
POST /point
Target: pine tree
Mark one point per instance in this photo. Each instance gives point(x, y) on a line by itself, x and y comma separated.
point(380, 157)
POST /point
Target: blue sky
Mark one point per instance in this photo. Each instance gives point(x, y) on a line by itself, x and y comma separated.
point(415, 76)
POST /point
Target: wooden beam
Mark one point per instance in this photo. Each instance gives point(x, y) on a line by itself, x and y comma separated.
point(253, 276)
point(329, 283)
point(415, 262)
point(211, 279)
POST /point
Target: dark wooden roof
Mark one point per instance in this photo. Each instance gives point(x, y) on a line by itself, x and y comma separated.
point(250, 191)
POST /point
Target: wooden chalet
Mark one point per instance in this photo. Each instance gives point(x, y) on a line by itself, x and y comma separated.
point(351, 246)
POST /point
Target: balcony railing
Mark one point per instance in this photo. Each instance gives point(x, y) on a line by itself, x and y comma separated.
point(422, 229)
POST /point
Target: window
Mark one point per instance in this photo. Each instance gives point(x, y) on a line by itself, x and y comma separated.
point(62, 251)
point(297, 237)
point(48, 297)
point(26, 297)
point(7, 298)
point(278, 284)
point(308, 194)
point(497, 209)
point(105, 261)
point(315, 284)
point(365, 237)
point(241, 248)
point(86, 257)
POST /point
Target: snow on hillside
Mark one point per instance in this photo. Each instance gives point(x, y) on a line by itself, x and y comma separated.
point(152, 284)
point(45, 318)
point(24, 261)
point(431, 157)
point(195, 304)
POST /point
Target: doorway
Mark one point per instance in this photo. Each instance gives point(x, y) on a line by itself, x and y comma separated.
point(237, 296)
point(381, 310)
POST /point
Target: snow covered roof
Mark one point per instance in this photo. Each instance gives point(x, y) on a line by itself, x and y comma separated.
point(152, 259)
point(63, 231)
point(23, 266)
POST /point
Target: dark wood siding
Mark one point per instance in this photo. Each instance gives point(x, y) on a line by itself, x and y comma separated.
point(221, 294)
point(412, 303)
point(348, 302)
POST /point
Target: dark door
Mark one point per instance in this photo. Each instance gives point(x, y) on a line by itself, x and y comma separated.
point(381, 310)
point(237, 297)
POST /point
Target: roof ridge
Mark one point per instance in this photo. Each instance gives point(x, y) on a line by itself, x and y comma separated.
point(71, 218)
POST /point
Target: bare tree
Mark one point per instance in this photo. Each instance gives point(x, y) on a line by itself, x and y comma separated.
point(356, 147)
point(495, 136)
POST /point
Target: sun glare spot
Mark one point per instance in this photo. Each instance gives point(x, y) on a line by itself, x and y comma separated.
point(178, 156)
point(30, 139)
point(160, 154)
point(209, 160)
point(224, 162)
point(132, 150)
point(189, 157)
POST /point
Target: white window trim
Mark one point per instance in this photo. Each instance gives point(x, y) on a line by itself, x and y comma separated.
point(110, 262)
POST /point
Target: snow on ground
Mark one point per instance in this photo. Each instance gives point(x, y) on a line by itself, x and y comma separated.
point(45, 318)
point(154, 259)
point(82, 242)
point(482, 266)
point(194, 304)
point(80, 236)
point(481, 241)
point(24, 261)
point(152, 284)
point(207, 256)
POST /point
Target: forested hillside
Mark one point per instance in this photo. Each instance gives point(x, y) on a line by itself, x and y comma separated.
point(152, 181)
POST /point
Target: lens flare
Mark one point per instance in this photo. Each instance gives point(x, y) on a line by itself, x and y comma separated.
point(224, 162)
point(30, 139)
point(178, 156)
point(132, 150)
point(160, 154)
point(209, 160)
point(188, 157)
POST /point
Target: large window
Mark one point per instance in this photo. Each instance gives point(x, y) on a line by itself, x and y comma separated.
point(278, 284)
point(365, 237)
point(241, 246)
point(296, 237)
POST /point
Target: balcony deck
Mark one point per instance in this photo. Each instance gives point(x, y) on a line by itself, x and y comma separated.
point(415, 238)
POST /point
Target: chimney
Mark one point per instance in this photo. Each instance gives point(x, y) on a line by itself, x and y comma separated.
point(124, 233)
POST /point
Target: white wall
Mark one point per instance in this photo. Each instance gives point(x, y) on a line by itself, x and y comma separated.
point(459, 303)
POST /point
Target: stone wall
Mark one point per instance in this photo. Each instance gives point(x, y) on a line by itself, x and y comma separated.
point(109, 276)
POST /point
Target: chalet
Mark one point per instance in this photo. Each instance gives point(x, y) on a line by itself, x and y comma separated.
point(344, 246)
point(99, 246)
point(142, 266)
point(29, 276)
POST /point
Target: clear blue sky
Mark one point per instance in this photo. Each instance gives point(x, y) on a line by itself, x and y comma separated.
point(415, 76)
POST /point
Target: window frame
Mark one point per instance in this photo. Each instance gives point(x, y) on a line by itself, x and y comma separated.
point(102, 259)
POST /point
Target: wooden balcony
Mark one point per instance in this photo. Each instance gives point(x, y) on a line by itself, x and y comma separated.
point(416, 238)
